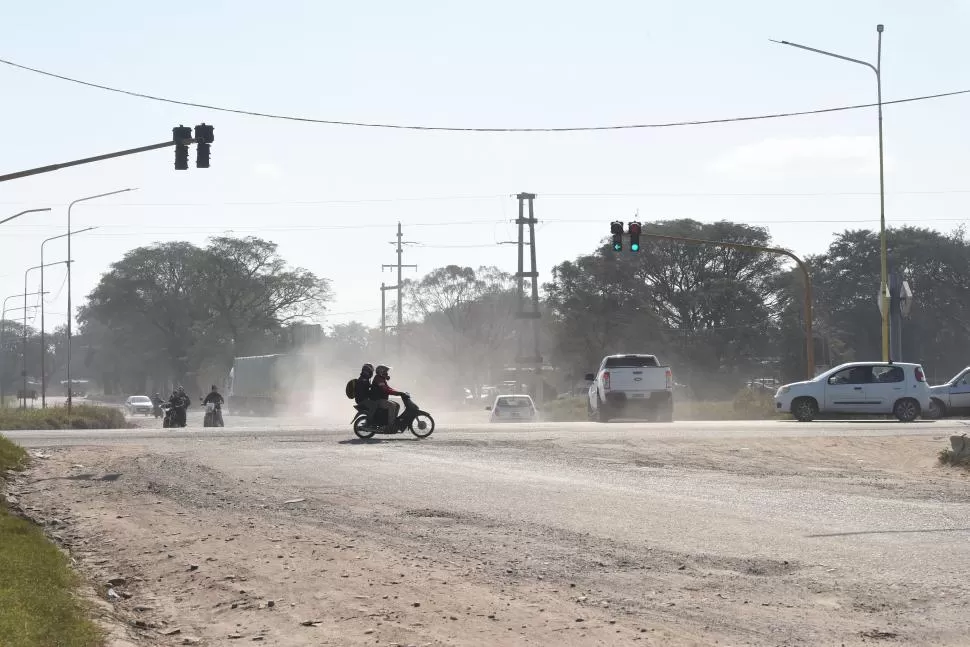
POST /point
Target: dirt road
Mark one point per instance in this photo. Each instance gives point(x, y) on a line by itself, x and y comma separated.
point(576, 534)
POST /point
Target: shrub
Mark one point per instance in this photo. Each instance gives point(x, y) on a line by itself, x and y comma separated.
point(82, 417)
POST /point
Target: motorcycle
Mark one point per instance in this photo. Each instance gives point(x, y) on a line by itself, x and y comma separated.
point(168, 411)
point(213, 416)
point(412, 418)
point(157, 409)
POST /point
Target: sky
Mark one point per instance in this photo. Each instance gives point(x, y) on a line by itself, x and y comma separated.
point(331, 196)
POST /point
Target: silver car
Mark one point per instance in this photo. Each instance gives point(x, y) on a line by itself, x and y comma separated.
point(139, 404)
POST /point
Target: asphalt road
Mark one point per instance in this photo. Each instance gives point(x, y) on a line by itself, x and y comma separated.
point(855, 512)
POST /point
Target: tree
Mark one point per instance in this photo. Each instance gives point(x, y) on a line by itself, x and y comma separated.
point(185, 311)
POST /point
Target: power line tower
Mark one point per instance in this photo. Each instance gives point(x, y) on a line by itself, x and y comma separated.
point(400, 284)
point(526, 312)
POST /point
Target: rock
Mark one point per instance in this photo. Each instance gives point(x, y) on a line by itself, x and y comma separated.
point(11, 500)
point(369, 631)
point(117, 581)
point(415, 604)
point(170, 632)
point(270, 603)
point(112, 595)
point(311, 623)
point(293, 501)
point(191, 640)
point(234, 636)
point(193, 567)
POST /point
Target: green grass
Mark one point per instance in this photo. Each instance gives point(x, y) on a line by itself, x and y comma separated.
point(82, 417)
point(38, 607)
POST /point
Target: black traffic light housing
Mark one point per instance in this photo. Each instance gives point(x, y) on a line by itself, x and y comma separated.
point(616, 228)
point(181, 134)
point(634, 229)
point(204, 136)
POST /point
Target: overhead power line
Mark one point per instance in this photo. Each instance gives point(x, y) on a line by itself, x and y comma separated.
point(364, 124)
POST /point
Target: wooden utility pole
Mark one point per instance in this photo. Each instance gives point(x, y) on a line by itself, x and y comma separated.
point(400, 284)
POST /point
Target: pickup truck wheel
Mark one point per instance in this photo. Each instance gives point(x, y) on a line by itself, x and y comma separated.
point(804, 409)
point(936, 410)
point(602, 415)
point(906, 410)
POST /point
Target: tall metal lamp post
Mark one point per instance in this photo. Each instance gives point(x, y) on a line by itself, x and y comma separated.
point(70, 313)
point(3, 327)
point(884, 278)
point(43, 339)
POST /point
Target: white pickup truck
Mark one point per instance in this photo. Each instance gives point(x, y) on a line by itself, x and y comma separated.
point(628, 386)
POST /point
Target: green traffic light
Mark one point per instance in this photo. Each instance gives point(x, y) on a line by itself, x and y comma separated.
point(617, 247)
point(635, 247)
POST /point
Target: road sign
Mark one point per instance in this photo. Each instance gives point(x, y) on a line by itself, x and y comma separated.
point(905, 299)
point(883, 303)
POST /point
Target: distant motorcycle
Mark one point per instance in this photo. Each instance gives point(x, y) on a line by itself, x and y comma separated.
point(168, 411)
point(213, 416)
point(412, 418)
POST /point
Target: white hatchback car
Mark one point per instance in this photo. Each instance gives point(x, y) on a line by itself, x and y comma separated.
point(513, 408)
point(859, 388)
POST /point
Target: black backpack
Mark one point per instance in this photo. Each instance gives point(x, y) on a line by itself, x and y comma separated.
point(351, 389)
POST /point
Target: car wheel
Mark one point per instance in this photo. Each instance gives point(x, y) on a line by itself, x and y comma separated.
point(804, 409)
point(936, 410)
point(906, 410)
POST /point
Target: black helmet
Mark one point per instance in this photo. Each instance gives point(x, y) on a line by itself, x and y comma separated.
point(367, 369)
point(383, 371)
point(215, 388)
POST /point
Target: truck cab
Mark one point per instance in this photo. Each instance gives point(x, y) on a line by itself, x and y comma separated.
point(631, 386)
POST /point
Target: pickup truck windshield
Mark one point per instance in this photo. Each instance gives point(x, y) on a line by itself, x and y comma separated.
point(633, 361)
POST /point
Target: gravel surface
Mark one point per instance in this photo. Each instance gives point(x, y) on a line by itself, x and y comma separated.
point(569, 534)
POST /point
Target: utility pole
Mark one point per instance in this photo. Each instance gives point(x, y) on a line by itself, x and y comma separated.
point(524, 312)
point(400, 284)
point(384, 290)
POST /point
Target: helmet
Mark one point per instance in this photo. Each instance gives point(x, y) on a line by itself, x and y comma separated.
point(367, 369)
point(180, 389)
point(215, 388)
point(383, 371)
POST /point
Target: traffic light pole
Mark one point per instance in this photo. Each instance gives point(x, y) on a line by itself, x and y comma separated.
point(89, 160)
point(809, 340)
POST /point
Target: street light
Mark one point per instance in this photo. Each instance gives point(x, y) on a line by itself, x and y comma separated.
point(70, 314)
point(884, 283)
point(3, 326)
point(24, 347)
point(43, 340)
point(17, 215)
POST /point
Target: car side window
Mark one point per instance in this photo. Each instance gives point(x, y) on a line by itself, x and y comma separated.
point(842, 377)
point(887, 374)
point(854, 375)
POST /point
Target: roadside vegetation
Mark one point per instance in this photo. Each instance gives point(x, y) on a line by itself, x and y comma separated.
point(949, 457)
point(38, 607)
point(82, 417)
point(747, 405)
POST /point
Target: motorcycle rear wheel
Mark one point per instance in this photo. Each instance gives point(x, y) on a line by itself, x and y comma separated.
point(361, 430)
point(423, 424)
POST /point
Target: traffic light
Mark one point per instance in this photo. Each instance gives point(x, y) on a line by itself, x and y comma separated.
point(616, 228)
point(634, 229)
point(179, 135)
point(203, 137)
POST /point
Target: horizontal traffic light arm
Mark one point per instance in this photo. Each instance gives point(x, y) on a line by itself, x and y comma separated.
point(89, 160)
point(779, 251)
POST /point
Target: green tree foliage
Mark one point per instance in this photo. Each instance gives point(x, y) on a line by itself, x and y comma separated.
point(174, 310)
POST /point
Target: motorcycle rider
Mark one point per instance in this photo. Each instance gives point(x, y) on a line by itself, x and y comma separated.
point(363, 386)
point(216, 398)
point(180, 403)
point(379, 392)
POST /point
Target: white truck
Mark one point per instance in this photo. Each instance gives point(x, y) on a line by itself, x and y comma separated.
point(631, 386)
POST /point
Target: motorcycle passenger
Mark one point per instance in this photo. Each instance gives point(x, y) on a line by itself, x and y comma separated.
point(215, 398)
point(362, 388)
point(380, 390)
point(180, 403)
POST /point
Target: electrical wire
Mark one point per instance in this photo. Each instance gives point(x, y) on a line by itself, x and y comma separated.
point(363, 124)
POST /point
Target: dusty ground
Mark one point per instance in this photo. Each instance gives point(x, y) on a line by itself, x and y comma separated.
point(543, 535)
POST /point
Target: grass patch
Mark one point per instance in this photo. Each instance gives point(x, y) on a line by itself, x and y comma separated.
point(948, 457)
point(12, 456)
point(748, 405)
point(82, 417)
point(38, 607)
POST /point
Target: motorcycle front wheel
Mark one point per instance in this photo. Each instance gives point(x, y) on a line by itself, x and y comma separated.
point(361, 429)
point(423, 424)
